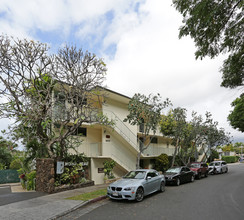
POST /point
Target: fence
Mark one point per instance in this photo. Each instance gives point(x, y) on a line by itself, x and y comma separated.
point(9, 176)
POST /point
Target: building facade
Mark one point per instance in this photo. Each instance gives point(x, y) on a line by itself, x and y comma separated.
point(119, 143)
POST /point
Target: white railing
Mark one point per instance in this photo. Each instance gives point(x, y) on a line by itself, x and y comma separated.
point(123, 158)
point(91, 149)
point(155, 150)
point(122, 129)
point(120, 156)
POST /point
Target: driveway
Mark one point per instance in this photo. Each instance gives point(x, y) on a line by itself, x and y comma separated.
point(10, 193)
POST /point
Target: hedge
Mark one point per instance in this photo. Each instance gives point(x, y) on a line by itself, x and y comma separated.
point(230, 159)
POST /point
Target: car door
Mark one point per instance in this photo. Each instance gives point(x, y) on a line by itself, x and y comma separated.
point(188, 174)
point(224, 166)
point(151, 182)
point(183, 175)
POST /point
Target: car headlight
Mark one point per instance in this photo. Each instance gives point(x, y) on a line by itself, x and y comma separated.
point(129, 189)
point(108, 187)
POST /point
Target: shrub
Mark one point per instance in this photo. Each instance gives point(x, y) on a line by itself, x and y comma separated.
point(108, 168)
point(162, 162)
point(230, 159)
point(2, 166)
point(31, 180)
point(16, 164)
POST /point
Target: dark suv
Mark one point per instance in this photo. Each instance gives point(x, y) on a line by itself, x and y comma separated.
point(200, 169)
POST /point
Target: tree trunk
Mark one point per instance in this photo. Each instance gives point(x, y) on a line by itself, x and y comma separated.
point(176, 149)
point(138, 160)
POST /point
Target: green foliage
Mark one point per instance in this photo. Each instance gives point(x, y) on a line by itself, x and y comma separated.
point(90, 195)
point(2, 166)
point(35, 149)
point(230, 159)
point(228, 148)
point(162, 162)
point(31, 180)
point(146, 111)
point(16, 164)
point(5, 156)
point(213, 155)
point(216, 27)
point(236, 117)
point(69, 176)
point(108, 168)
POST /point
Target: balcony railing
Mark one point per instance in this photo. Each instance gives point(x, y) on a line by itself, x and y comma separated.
point(155, 150)
point(122, 129)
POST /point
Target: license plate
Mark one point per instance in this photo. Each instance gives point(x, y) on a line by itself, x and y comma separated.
point(115, 194)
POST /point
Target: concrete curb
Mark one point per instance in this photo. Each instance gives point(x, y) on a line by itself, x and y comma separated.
point(78, 206)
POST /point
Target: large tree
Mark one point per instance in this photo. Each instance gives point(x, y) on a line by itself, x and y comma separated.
point(236, 117)
point(145, 111)
point(49, 96)
point(216, 27)
point(187, 136)
point(174, 125)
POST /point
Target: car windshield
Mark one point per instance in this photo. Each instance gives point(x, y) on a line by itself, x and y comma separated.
point(135, 175)
point(173, 170)
point(214, 164)
point(195, 165)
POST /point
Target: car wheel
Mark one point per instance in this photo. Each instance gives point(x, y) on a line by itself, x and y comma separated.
point(177, 181)
point(192, 178)
point(226, 171)
point(139, 194)
point(162, 186)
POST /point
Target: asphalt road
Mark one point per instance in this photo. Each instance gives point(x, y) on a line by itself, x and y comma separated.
point(7, 197)
point(217, 197)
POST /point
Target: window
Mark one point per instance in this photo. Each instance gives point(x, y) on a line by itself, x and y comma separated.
point(80, 131)
point(60, 98)
point(141, 127)
point(151, 174)
point(154, 140)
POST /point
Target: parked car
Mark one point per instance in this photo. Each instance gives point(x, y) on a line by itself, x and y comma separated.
point(136, 184)
point(178, 175)
point(199, 168)
point(218, 166)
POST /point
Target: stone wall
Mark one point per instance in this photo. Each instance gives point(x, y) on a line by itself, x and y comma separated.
point(45, 175)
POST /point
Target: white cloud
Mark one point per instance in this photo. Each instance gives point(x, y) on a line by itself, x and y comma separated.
point(149, 57)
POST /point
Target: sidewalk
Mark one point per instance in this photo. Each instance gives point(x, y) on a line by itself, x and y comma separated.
point(46, 207)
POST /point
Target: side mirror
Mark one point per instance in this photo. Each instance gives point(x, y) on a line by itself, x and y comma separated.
point(149, 177)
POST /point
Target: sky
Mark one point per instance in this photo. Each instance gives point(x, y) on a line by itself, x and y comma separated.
point(138, 40)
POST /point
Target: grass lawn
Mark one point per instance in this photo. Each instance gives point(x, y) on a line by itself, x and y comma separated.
point(90, 195)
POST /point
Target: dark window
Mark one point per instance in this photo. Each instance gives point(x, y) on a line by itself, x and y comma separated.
point(60, 98)
point(80, 131)
point(141, 127)
point(154, 140)
point(152, 174)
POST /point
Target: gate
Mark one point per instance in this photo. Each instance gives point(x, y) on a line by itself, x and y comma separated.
point(9, 176)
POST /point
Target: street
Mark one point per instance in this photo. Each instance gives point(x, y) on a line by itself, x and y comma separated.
point(8, 197)
point(215, 197)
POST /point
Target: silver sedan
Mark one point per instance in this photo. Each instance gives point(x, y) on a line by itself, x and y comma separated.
point(136, 184)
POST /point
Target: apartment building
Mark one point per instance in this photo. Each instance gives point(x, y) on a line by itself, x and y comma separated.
point(120, 143)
